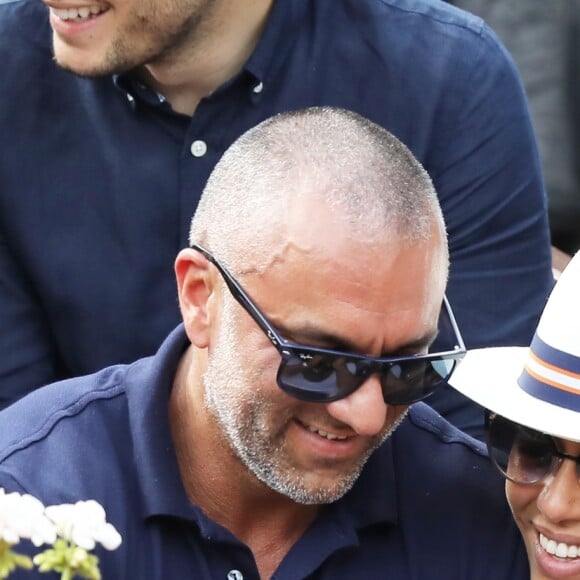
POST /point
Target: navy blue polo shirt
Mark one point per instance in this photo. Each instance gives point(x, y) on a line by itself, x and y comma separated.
point(99, 178)
point(428, 504)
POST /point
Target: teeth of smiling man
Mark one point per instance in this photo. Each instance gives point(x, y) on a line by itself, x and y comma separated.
point(82, 13)
point(559, 548)
point(325, 434)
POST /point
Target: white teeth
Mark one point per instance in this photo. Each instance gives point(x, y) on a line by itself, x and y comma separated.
point(62, 14)
point(79, 14)
point(325, 434)
point(559, 549)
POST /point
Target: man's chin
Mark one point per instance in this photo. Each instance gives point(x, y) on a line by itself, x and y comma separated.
point(73, 65)
point(78, 71)
point(325, 492)
point(310, 487)
point(83, 63)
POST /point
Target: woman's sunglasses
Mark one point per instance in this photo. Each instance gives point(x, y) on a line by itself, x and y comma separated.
point(521, 454)
point(321, 375)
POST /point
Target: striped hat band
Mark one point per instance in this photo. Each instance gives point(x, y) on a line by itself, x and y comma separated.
point(551, 375)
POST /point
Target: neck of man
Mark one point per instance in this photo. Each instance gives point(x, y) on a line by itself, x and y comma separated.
point(216, 481)
point(215, 53)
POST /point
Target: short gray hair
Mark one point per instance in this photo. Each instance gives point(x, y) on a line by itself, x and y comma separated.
point(349, 163)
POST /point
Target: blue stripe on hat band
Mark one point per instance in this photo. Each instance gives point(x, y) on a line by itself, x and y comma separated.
point(553, 356)
point(547, 393)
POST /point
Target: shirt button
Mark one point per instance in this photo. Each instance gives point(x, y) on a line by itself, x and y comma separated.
point(198, 148)
point(235, 575)
point(258, 88)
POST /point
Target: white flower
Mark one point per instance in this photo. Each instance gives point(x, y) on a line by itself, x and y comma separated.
point(84, 523)
point(22, 516)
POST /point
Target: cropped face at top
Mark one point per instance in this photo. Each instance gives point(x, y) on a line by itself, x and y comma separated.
point(321, 375)
point(119, 35)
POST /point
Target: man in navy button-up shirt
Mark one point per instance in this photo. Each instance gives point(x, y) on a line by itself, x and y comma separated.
point(99, 176)
point(269, 436)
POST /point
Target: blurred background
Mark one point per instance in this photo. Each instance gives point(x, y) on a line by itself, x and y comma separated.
point(543, 37)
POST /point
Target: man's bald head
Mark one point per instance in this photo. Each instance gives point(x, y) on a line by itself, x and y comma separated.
point(335, 161)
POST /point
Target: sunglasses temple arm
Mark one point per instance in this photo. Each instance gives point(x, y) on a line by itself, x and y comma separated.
point(458, 337)
point(242, 298)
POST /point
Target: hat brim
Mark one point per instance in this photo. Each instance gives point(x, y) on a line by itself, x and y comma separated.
point(489, 376)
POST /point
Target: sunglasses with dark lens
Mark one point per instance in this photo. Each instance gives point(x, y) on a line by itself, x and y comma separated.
point(321, 375)
point(521, 454)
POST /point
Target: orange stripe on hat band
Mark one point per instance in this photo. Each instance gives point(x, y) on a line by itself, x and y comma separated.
point(552, 382)
point(554, 368)
point(545, 392)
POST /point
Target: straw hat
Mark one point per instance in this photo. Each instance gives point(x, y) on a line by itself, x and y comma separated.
point(538, 386)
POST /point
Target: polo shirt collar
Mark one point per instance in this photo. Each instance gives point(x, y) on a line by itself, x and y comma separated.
point(149, 383)
point(372, 500)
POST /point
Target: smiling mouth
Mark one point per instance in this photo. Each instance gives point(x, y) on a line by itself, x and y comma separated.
point(559, 549)
point(326, 435)
point(77, 14)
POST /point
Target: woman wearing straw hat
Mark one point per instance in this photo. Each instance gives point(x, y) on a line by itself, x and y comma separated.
point(533, 427)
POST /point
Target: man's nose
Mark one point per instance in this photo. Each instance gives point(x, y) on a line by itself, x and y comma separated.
point(365, 410)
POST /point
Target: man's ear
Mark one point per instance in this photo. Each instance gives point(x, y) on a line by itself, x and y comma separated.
point(194, 287)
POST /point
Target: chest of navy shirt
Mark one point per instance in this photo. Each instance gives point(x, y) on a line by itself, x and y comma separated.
point(99, 178)
point(428, 504)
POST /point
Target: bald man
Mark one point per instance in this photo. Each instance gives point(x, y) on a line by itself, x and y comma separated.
point(272, 435)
